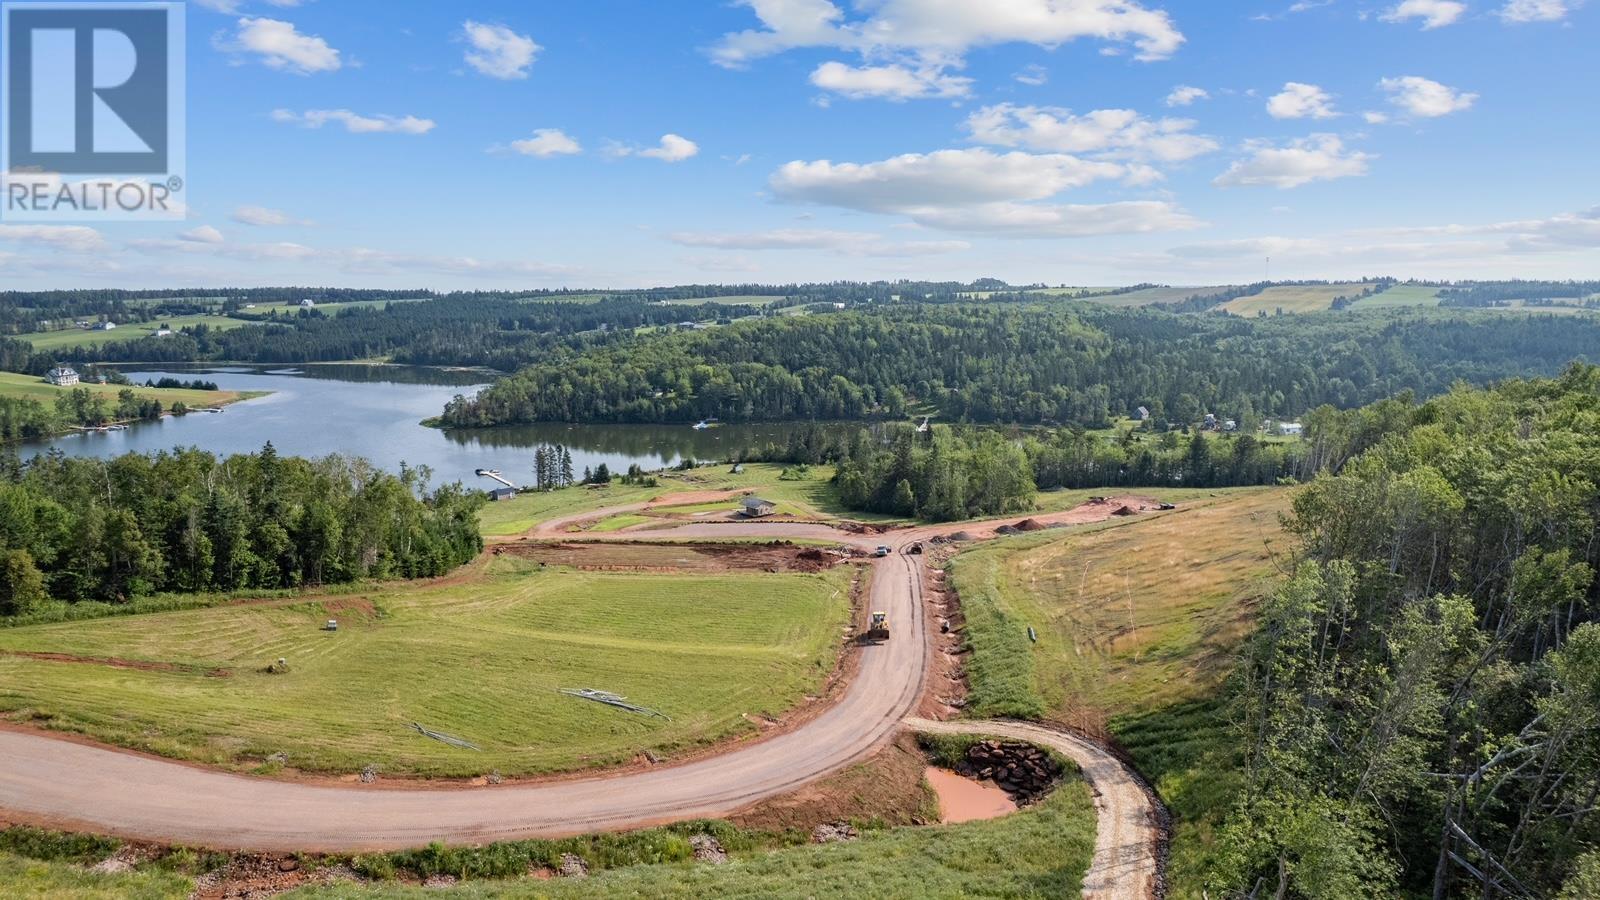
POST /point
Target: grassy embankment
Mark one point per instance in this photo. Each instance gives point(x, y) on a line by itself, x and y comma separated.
point(480, 655)
point(32, 387)
point(1136, 620)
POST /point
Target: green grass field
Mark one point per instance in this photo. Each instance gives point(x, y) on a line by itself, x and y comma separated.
point(480, 655)
point(1291, 299)
point(77, 337)
point(1136, 622)
point(1401, 295)
point(1157, 295)
point(32, 387)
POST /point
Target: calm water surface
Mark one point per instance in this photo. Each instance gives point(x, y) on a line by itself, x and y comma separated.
point(376, 411)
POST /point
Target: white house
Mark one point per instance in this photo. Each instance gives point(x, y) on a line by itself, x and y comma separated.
point(1291, 429)
point(755, 507)
point(105, 326)
point(162, 332)
point(62, 376)
point(308, 303)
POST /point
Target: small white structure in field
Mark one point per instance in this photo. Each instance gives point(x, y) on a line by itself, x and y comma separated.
point(62, 376)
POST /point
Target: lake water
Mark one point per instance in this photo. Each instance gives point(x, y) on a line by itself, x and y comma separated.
point(375, 412)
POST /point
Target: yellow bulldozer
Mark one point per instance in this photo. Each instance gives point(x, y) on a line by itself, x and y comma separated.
point(878, 630)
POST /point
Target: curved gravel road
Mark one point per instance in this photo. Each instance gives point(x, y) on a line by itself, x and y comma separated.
point(77, 786)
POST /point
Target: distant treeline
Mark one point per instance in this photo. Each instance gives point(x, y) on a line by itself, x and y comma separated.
point(187, 521)
point(1067, 364)
point(1502, 293)
point(948, 474)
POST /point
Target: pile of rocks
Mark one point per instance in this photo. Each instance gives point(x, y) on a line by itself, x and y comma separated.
point(833, 833)
point(1021, 770)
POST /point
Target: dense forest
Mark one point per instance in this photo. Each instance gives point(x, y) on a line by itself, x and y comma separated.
point(1418, 711)
point(77, 530)
point(1062, 363)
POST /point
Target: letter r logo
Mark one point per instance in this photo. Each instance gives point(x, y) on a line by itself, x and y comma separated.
point(87, 87)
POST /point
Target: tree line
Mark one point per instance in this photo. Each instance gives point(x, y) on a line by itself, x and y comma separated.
point(1418, 710)
point(187, 521)
point(1058, 363)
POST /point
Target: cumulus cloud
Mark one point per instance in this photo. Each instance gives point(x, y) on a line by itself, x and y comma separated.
point(672, 148)
point(1113, 133)
point(1301, 101)
point(547, 142)
point(261, 217)
point(1425, 98)
point(497, 51)
point(1321, 157)
point(1519, 12)
point(848, 243)
point(977, 190)
point(279, 46)
point(929, 37)
point(1185, 95)
point(354, 123)
point(1433, 13)
point(891, 82)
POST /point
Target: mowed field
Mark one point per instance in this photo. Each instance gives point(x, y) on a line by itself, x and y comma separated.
point(78, 337)
point(1303, 298)
point(1401, 295)
point(481, 655)
point(32, 387)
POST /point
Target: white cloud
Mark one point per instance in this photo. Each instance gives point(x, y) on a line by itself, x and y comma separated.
point(978, 190)
point(547, 142)
point(261, 216)
point(848, 243)
point(1033, 220)
point(1433, 13)
point(354, 123)
point(942, 178)
point(205, 234)
point(280, 46)
point(1519, 12)
point(940, 32)
point(1422, 97)
point(1321, 157)
point(673, 148)
point(1300, 101)
point(1374, 117)
point(1033, 74)
point(1184, 95)
point(232, 7)
point(1117, 133)
point(74, 238)
point(891, 82)
point(499, 52)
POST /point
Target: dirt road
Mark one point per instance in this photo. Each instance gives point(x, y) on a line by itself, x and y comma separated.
point(73, 785)
point(1128, 829)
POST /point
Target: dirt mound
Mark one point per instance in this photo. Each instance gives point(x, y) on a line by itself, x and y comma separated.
point(1029, 525)
point(1125, 511)
point(115, 662)
point(625, 556)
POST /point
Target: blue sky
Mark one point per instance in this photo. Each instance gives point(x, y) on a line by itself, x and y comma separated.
point(627, 143)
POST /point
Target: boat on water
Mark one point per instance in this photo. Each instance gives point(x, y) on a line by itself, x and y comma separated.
point(701, 426)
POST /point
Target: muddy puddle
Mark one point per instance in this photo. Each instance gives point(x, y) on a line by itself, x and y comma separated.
point(964, 800)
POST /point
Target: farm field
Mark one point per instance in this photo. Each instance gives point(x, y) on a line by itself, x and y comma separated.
point(481, 655)
point(1401, 295)
point(1291, 299)
point(32, 387)
point(266, 310)
point(1157, 295)
point(68, 338)
point(1136, 622)
point(748, 300)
